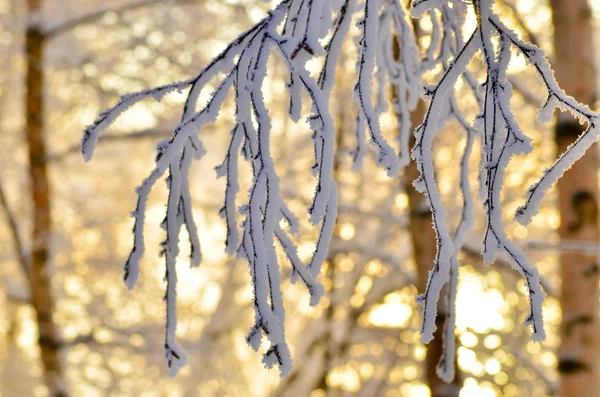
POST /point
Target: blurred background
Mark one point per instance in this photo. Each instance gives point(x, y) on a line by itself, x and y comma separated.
point(65, 229)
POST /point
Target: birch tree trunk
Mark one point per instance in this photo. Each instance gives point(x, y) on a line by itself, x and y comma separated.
point(49, 342)
point(577, 192)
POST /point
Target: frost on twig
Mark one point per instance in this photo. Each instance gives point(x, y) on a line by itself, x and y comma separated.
point(502, 138)
point(295, 31)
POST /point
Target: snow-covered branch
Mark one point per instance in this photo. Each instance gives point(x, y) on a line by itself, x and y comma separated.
point(384, 33)
point(295, 32)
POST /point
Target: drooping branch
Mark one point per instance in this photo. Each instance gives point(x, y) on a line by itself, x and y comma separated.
point(397, 63)
point(298, 31)
point(500, 128)
point(386, 156)
point(556, 98)
point(452, 40)
point(423, 155)
point(244, 64)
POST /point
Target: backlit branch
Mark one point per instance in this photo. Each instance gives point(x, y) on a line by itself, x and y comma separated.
point(293, 33)
point(295, 30)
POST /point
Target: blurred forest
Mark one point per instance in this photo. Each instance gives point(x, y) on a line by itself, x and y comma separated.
point(67, 321)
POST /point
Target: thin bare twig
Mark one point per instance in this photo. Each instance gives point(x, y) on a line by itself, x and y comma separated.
point(110, 138)
point(14, 231)
point(94, 15)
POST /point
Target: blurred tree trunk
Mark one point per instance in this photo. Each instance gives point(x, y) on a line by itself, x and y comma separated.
point(577, 193)
point(40, 195)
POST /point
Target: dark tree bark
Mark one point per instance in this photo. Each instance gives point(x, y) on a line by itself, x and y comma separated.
point(39, 277)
